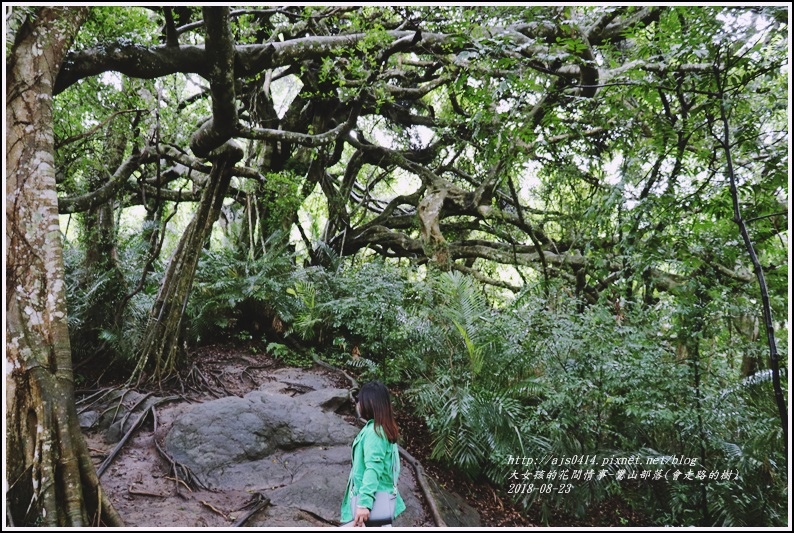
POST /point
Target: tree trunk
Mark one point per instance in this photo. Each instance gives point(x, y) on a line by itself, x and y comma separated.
point(100, 270)
point(51, 479)
point(746, 325)
point(159, 349)
point(766, 306)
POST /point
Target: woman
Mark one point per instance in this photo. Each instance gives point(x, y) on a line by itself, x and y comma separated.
point(376, 462)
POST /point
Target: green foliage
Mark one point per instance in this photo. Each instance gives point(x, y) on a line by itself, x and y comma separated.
point(366, 305)
point(469, 424)
point(475, 417)
point(289, 356)
point(281, 189)
point(562, 384)
point(624, 341)
point(95, 298)
point(15, 17)
point(231, 286)
point(308, 318)
point(123, 25)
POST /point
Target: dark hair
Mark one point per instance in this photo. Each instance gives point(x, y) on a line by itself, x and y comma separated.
point(375, 404)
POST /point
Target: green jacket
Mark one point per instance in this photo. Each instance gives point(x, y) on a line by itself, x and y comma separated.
point(372, 470)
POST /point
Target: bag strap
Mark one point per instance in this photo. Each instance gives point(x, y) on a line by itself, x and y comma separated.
point(394, 465)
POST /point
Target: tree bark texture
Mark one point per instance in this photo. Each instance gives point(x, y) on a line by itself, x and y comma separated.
point(51, 479)
point(220, 57)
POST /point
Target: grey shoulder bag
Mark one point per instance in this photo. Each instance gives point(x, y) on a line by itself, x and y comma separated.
point(384, 503)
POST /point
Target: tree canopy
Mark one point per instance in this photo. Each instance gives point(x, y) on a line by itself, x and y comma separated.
point(452, 135)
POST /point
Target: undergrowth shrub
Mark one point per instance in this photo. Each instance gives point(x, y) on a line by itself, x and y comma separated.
point(541, 378)
point(108, 310)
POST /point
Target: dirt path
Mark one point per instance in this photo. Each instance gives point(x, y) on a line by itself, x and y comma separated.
point(141, 481)
point(144, 491)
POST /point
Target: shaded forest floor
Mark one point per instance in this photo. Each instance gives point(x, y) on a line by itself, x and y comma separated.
point(236, 369)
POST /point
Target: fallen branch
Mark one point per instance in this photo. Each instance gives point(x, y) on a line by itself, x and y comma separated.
point(202, 502)
point(132, 491)
point(260, 501)
point(420, 478)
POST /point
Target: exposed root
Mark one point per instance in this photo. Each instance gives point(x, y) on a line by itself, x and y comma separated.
point(94, 398)
point(140, 401)
point(320, 518)
point(354, 386)
point(112, 455)
point(187, 477)
point(218, 380)
point(203, 381)
point(177, 481)
point(254, 367)
point(118, 405)
point(246, 373)
point(353, 382)
point(196, 378)
point(96, 521)
point(297, 387)
point(137, 424)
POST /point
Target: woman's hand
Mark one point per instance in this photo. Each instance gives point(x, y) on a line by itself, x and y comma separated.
point(362, 515)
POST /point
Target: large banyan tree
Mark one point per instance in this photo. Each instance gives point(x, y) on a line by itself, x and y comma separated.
point(551, 145)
